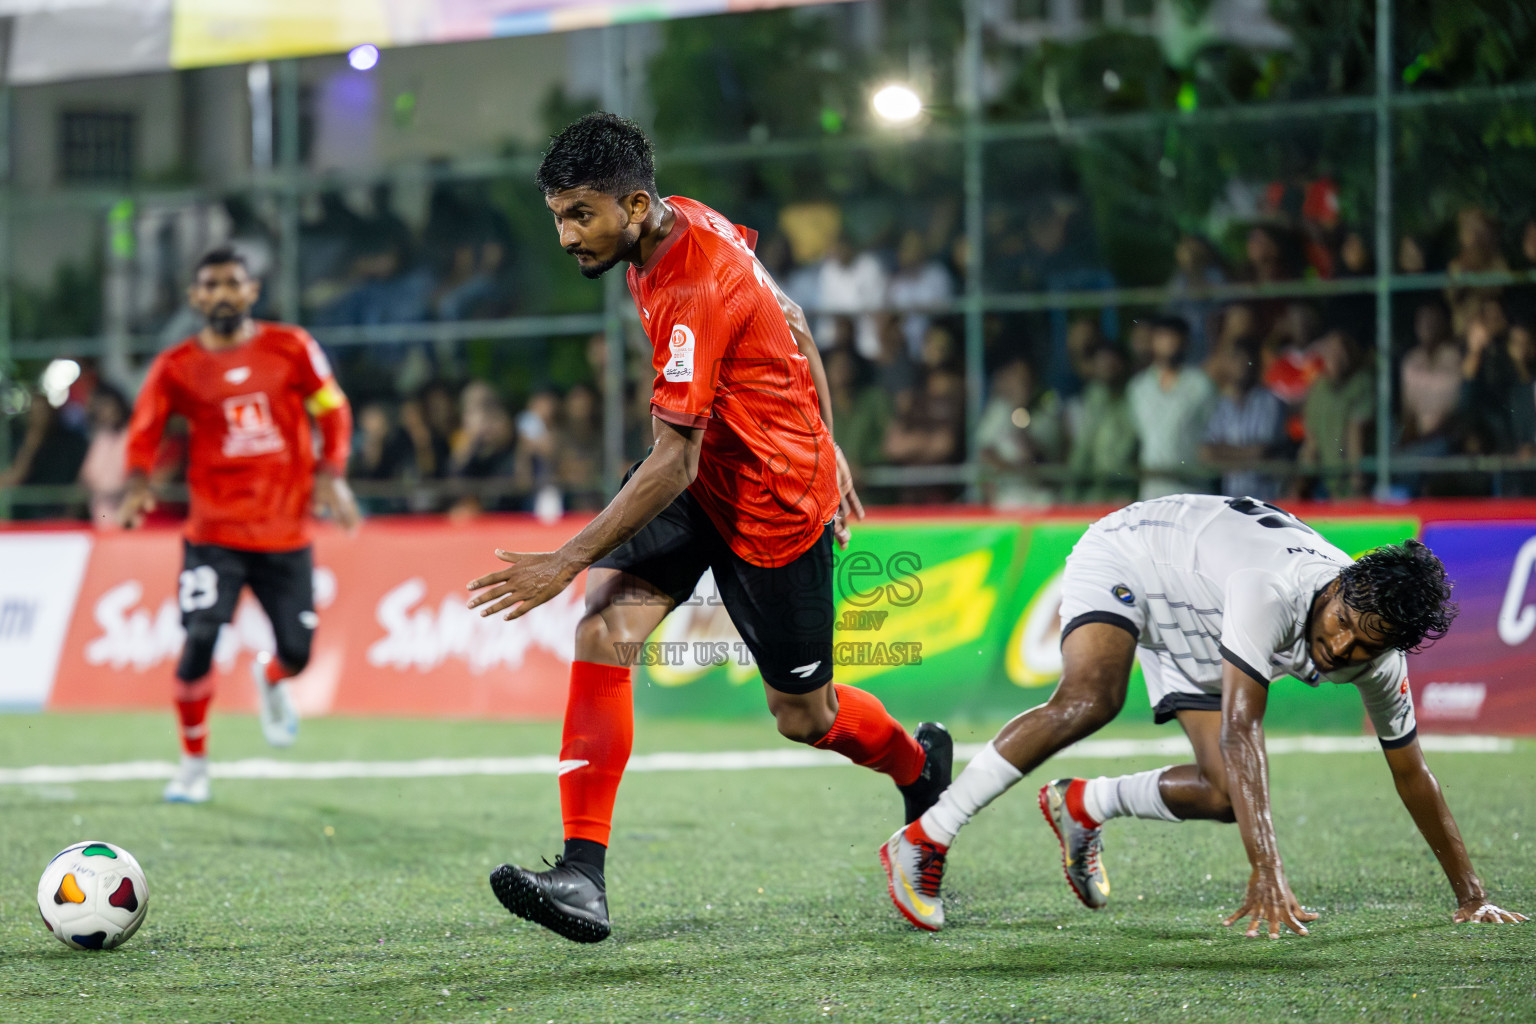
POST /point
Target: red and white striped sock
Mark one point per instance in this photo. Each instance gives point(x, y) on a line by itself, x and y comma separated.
point(192, 711)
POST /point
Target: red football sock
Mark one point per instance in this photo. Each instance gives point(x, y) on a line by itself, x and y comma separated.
point(1075, 804)
point(276, 672)
point(917, 834)
point(599, 731)
point(193, 712)
point(866, 734)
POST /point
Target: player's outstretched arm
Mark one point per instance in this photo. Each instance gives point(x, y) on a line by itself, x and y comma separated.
point(535, 577)
point(1420, 793)
point(1243, 701)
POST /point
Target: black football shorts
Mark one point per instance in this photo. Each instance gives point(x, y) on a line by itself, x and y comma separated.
point(282, 581)
point(784, 614)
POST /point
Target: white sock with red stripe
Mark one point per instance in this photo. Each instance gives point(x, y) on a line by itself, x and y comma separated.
point(987, 777)
point(1127, 796)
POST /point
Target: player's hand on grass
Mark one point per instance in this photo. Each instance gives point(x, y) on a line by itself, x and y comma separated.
point(1480, 911)
point(532, 579)
point(1269, 899)
point(849, 505)
point(334, 497)
point(138, 500)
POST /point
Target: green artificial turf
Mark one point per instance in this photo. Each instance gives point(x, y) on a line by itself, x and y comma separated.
point(737, 896)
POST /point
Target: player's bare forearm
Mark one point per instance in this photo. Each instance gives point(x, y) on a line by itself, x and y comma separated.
point(665, 474)
point(535, 577)
point(800, 327)
point(1269, 898)
point(1420, 793)
point(1242, 750)
point(849, 505)
point(818, 374)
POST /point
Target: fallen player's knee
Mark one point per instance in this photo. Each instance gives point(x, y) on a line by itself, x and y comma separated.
point(1087, 712)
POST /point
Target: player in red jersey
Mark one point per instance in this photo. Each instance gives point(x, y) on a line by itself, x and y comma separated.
point(743, 479)
point(248, 391)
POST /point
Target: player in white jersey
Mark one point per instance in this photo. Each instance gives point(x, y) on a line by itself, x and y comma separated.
point(1217, 597)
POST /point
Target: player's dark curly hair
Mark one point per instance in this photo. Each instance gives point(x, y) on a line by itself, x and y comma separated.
point(1405, 587)
point(603, 152)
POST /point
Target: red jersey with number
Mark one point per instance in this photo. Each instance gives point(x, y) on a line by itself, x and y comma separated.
point(250, 457)
point(725, 360)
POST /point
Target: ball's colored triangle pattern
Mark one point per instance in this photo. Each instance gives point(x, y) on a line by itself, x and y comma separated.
point(95, 940)
point(125, 897)
point(98, 850)
point(69, 891)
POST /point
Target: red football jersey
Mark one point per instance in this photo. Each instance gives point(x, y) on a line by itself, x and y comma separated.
point(250, 459)
point(726, 361)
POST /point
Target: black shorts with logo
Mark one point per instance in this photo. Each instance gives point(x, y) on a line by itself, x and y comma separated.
point(282, 581)
point(784, 614)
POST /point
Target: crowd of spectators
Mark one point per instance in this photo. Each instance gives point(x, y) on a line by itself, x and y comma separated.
point(1272, 397)
point(1282, 401)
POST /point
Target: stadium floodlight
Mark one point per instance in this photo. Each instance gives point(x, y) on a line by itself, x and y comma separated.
point(364, 57)
point(57, 379)
point(896, 103)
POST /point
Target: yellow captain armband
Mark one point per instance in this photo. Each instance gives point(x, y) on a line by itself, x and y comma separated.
point(327, 398)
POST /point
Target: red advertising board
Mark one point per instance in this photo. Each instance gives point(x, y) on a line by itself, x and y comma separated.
point(394, 636)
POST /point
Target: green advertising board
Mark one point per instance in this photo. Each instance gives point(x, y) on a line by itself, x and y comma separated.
point(918, 613)
point(1031, 656)
point(951, 618)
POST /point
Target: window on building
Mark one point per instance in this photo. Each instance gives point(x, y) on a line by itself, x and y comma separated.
point(95, 147)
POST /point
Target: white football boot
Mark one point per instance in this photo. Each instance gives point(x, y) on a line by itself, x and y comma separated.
point(189, 785)
point(915, 870)
point(1082, 847)
point(274, 705)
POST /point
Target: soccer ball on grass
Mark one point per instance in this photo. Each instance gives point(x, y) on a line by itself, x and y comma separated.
point(93, 896)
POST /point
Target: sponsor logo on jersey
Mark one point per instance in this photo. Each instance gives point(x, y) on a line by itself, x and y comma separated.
point(251, 430)
point(1123, 593)
point(679, 368)
point(239, 375)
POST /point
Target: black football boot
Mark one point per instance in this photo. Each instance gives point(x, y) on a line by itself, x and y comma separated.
point(569, 899)
point(924, 793)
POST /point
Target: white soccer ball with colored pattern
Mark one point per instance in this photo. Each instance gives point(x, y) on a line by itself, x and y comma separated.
point(93, 896)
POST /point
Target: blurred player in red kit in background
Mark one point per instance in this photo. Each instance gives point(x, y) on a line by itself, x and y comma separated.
point(743, 481)
point(248, 391)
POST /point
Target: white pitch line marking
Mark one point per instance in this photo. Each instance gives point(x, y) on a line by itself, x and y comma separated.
point(729, 761)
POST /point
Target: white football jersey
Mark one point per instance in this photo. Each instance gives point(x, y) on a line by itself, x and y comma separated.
point(1234, 579)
